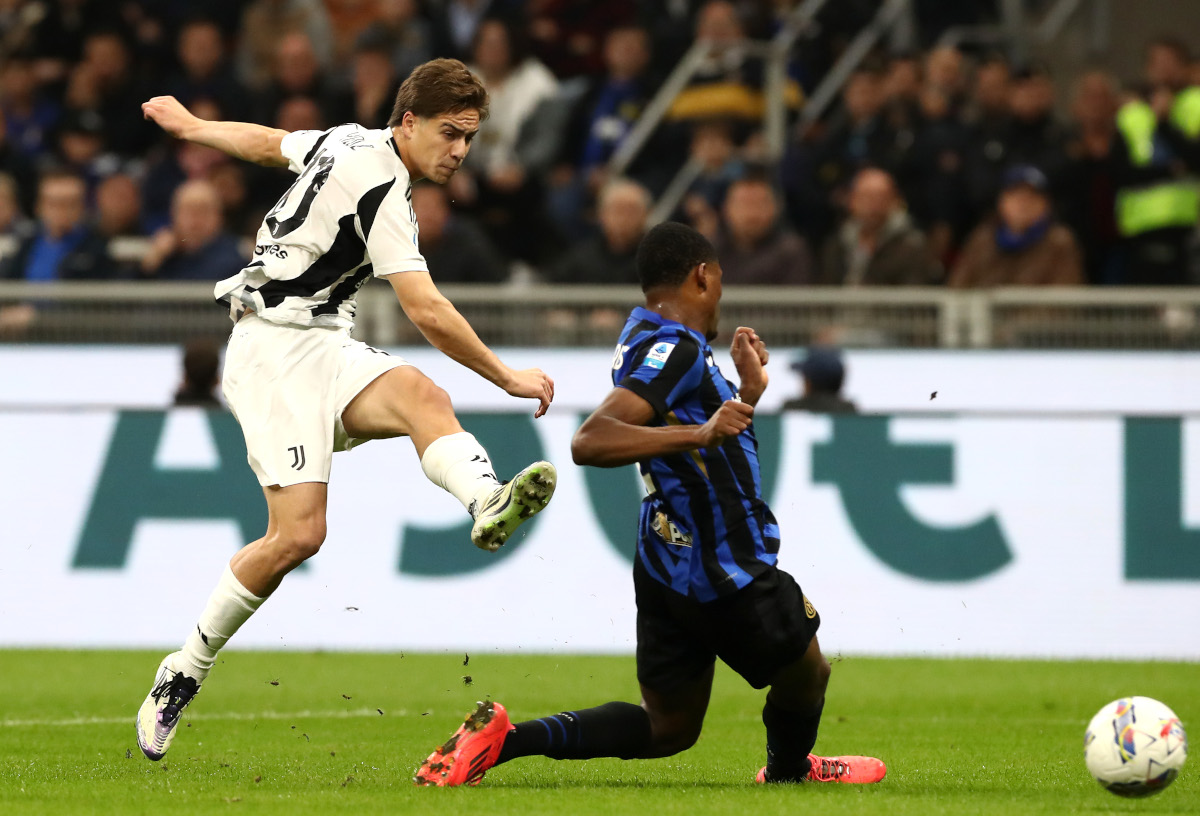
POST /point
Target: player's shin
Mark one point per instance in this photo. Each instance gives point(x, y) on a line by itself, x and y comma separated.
point(791, 736)
point(614, 729)
point(229, 606)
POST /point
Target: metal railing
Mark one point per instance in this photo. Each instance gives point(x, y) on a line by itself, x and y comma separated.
point(574, 316)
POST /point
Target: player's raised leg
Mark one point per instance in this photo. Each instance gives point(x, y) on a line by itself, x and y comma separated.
point(792, 715)
point(295, 532)
point(404, 402)
point(663, 725)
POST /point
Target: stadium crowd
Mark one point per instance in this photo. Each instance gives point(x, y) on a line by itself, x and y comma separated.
point(936, 167)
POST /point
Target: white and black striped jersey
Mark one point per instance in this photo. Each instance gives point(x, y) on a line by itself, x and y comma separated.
point(348, 216)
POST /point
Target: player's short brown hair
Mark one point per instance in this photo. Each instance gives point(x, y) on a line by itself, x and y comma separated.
point(439, 87)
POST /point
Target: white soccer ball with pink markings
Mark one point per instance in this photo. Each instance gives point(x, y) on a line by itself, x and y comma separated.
point(1135, 746)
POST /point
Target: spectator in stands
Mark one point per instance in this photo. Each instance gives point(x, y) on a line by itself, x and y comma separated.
point(30, 115)
point(1156, 156)
point(568, 35)
point(823, 373)
point(81, 148)
point(817, 175)
point(610, 256)
point(61, 245)
point(498, 180)
point(12, 217)
point(262, 23)
point(877, 245)
point(598, 124)
point(119, 207)
point(18, 168)
point(715, 153)
point(105, 81)
point(1088, 196)
point(348, 19)
point(206, 72)
point(297, 73)
point(934, 182)
point(403, 33)
point(195, 246)
point(754, 247)
point(201, 376)
point(57, 37)
point(901, 88)
point(1024, 245)
point(1029, 135)
point(944, 73)
point(455, 247)
point(989, 106)
point(374, 86)
point(728, 84)
point(456, 24)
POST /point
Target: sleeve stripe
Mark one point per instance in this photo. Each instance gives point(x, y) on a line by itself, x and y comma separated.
point(316, 146)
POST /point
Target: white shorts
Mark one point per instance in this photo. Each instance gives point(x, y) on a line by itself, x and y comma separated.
point(287, 386)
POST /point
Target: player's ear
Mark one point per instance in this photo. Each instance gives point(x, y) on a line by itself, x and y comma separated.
point(700, 273)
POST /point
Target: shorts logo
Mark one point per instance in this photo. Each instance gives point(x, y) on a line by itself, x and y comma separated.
point(658, 355)
point(809, 609)
point(298, 459)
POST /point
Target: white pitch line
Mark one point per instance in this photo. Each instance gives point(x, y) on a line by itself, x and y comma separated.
point(227, 715)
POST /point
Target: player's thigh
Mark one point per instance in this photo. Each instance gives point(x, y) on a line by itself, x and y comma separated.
point(400, 402)
point(296, 507)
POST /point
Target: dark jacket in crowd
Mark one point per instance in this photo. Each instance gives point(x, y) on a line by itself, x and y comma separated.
point(900, 258)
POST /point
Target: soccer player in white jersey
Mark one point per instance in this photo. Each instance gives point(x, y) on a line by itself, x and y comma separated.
point(301, 387)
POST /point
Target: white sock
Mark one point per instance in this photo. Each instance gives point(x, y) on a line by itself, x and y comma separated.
point(229, 606)
point(458, 464)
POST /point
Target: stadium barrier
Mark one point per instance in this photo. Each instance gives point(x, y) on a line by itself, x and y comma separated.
point(581, 316)
point(1028, 533)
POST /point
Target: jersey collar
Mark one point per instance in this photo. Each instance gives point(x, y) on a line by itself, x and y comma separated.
point(642, 313)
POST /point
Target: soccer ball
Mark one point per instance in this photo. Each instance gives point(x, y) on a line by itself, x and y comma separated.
point(1135, 746)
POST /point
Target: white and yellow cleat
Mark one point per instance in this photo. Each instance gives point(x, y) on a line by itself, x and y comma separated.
point(159, 715)
point(512, 504)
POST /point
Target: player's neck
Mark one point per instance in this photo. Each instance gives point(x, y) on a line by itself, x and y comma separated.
point(678, 311)
point(414, 172)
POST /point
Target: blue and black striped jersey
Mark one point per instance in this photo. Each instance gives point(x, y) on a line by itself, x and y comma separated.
point(704, 529)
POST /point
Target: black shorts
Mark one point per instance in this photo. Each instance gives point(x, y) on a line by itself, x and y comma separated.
point(756, 631)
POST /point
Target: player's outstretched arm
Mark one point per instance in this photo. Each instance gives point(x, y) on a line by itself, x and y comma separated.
point(450, 333)
point(242, 140)
point(617, 432)
point(750, 355)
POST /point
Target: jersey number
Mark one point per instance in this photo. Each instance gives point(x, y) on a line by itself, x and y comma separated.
point(316, 174)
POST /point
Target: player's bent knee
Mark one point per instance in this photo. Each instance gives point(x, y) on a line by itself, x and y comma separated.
point(297, 545)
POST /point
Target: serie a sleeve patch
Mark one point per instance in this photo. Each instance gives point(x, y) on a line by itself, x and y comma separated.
point(658, 354)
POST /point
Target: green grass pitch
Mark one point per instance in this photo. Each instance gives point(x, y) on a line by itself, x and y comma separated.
point(288, 733)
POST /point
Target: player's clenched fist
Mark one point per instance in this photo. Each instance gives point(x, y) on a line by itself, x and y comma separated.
point(731, 419)
point(169, 114)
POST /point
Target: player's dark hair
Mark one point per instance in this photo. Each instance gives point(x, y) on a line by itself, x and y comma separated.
point(439, 87)
point(669, 252)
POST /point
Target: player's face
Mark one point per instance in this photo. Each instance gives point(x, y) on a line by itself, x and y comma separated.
point(439, 145)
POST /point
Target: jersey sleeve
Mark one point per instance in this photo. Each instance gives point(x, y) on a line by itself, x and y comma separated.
point(669, 368)
point(390, 229)
point(299, 146)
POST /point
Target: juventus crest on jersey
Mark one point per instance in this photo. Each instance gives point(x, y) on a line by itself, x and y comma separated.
point(348, 216)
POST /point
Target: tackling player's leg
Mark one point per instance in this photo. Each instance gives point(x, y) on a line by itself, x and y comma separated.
point(663, 725)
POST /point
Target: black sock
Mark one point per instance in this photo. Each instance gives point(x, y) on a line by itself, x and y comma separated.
point(790, 738)
point(612, 730)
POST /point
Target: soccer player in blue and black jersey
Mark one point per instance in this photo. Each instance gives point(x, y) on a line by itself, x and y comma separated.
point(705, 575)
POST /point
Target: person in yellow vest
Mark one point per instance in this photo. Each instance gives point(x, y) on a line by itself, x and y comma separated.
point(1157, 156)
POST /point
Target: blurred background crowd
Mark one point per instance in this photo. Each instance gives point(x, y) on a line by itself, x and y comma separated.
point(938, 165)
